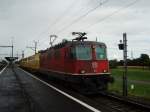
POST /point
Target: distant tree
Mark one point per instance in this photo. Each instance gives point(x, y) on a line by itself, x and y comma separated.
point(129, 62)
point(136, 62)
point(120, 63)
point(113, 63)
point(144, 59)
point(149, 64)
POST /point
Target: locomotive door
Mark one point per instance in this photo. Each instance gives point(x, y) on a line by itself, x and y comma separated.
point(68, 61)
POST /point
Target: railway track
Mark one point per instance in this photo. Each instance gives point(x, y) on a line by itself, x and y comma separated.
point(120, 104)
point(128, 100)
point(2, 66)
point(108, 101)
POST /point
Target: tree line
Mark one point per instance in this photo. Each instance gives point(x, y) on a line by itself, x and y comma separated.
point(142, 61)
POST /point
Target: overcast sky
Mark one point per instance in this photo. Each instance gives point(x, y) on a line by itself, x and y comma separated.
point(28, 20)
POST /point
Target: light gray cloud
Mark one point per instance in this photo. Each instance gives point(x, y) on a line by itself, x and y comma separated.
point(28, 20)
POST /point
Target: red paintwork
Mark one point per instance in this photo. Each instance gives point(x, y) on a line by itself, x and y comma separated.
point(68, 65)
point(88, 66)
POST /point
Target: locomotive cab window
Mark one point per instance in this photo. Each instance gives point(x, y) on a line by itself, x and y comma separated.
point(83, 52)
point(72, 53)
point(100, 53)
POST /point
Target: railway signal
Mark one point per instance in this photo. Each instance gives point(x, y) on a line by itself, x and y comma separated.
point(123, 46)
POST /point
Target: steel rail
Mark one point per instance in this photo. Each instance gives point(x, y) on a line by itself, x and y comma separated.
point(127, 101)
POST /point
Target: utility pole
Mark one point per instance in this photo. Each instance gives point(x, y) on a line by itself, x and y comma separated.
point(22, 53)
point(132, 55)
point(96, 39)
point(125, 93)
point(34, 48)
point(12, 47)
point(17, 55)
point(123, 46)
point(9, 46)
point(35, 43)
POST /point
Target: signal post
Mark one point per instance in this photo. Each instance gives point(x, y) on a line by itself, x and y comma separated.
point(123, 46)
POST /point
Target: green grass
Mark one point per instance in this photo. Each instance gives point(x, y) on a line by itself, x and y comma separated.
point(140, 89)
point(133, 74)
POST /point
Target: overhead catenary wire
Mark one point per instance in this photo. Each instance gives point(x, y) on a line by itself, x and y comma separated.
point(60, 18)
point(82, 16)
point(106, 17)
point(69, 10)
point(113, 13)
point(57, 19)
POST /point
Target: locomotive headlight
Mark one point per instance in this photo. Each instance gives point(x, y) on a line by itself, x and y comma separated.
point(82, 71)
point(104, 71)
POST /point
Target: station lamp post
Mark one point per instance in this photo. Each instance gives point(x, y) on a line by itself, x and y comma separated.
point(123, 46)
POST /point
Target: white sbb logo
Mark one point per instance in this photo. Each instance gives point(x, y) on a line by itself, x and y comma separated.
point(94, 65)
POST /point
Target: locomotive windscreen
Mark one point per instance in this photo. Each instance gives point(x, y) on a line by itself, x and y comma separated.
point(83, 52)
point(100, 53)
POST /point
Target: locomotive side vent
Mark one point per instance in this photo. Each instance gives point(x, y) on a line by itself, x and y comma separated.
point(80, 36)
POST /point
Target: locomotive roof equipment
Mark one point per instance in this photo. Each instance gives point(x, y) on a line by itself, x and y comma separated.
point(80, 36)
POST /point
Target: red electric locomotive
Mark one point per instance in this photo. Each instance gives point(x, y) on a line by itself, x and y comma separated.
point(81, 63)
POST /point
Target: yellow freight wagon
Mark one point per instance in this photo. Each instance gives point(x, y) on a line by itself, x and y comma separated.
point(32, 62)
point(23, 62)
